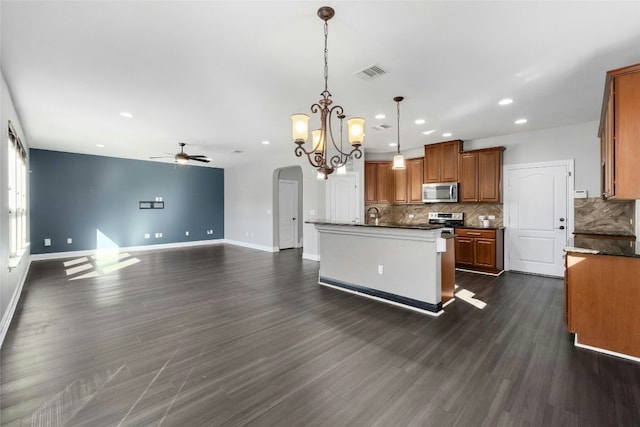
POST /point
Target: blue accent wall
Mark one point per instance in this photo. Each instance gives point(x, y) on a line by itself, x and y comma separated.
point(77, 196)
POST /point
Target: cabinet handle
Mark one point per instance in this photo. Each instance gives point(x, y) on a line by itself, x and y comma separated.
point(474, 234)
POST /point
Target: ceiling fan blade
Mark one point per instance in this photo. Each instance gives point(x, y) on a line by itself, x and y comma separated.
point(198, 159)
point(198, 155)
point(161, 157)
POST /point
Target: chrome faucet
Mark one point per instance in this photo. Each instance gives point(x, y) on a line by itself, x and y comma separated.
point(377, 214)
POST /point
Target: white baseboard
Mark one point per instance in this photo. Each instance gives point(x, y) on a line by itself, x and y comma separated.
point(73, 254)
point(13, 304)
point(312, 257)
point(253, 246)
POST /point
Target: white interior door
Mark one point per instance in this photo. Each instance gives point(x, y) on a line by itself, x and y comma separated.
point(288, 213)
point(538, 216)
point(343, 203)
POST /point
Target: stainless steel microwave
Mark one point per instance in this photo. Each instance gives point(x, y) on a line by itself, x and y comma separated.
point(445, 192)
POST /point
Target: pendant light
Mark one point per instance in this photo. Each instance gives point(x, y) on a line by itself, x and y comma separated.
point(398, 159)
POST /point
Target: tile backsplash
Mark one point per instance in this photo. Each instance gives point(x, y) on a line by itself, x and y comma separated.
point(594, 215)
point(418, 214)
point(591, 215)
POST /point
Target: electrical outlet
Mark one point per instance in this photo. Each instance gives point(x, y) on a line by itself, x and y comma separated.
point(47, 242)
point(186, 233)
point(147, 235)
point(380, 269)
point(492, 217)
point(481, 217)
point(411, 216)
point(69, 240)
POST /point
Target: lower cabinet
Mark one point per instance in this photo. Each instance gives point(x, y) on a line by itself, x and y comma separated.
point(602, 297)
point(480, 249)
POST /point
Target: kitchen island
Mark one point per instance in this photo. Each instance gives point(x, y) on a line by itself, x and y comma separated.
point(602, 295)
point(412, 266)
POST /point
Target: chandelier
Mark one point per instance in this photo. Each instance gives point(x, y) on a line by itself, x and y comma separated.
point(318, 154)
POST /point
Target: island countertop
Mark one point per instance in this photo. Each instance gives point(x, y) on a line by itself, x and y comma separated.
point(379, 225)
point(598, 246)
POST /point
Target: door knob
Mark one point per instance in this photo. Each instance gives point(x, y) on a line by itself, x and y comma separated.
point(561, 227)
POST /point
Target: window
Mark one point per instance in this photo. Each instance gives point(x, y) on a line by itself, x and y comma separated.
point(17, 179)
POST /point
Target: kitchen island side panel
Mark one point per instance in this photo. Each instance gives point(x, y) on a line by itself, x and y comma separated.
point(405, 266)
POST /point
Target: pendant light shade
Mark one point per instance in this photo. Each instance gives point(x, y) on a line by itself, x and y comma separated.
point(398, 159)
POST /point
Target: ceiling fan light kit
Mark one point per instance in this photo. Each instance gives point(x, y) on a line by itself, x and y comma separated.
point(318, 155)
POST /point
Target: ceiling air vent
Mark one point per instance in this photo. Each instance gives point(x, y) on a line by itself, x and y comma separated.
point(370, 72)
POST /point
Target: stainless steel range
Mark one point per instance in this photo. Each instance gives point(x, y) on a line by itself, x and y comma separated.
point(448, 219)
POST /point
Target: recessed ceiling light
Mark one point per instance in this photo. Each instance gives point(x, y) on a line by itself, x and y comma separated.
point(393, 144)
point(420, 121)
point(380, 116)
point(127, 115)
point(100, 145)
point(428, 132)
point(265, 142)
point(505, 101)
point(521, 121)
point(447, 135)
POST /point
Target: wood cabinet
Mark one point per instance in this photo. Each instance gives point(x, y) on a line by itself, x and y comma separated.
point(602, 300)
point(620, 134)
point(480, 175)
point(378, 180)
point(407, 183)
point(480, 249)
point(441, 161)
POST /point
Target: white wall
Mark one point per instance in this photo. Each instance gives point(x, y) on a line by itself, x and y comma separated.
point(11, 280)
point(579, 142)
point(248, 190)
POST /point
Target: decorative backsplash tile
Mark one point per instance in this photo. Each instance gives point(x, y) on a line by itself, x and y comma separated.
point(401, 214)
point(594, 215)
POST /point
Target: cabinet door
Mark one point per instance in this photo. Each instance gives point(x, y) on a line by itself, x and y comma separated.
point(370, 182)
point(432, 162)
point(606, 149)
point(383, 182)
point(400, 185)
point(414, 180)
point(449, 161)
point(489, 165)
point(468, 174)
point(485, 251)
point(465, 250)
point(626, 135)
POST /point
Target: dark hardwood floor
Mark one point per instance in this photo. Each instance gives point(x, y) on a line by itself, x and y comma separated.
point(226, 336)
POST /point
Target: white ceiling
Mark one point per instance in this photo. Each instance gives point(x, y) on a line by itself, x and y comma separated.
point(226, 75)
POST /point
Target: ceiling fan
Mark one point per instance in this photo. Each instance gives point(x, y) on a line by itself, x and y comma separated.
point(183, 158)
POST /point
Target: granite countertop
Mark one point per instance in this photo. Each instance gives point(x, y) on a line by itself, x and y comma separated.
point(603, 233)
point(600, 246)
point(380, 225)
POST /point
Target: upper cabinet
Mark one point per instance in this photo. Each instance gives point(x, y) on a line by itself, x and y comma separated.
point(441, 161)
point(620, 134)
point(407, 183)
point(378, 180)
point(479, 173)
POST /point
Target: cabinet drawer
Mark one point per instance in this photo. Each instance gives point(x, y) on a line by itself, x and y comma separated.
point(472, 232)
